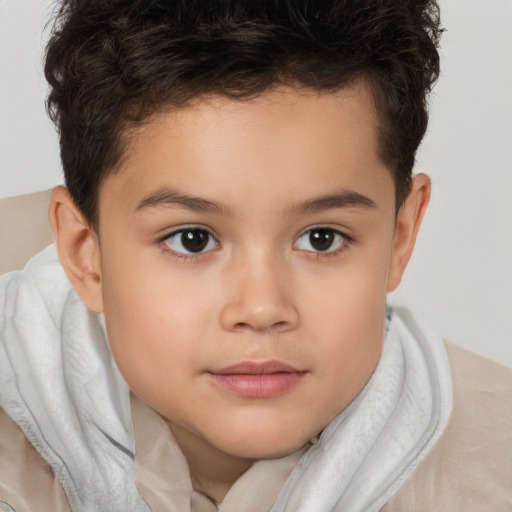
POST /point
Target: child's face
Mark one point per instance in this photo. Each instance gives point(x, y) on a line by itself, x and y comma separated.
point(258, 234)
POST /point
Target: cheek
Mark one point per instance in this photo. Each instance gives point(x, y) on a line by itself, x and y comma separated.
point(351, 293)
point(347, 316)
point(151, 318)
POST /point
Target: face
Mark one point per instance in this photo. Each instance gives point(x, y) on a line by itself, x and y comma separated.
point(245, 256)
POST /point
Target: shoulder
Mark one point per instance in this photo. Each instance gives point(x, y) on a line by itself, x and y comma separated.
point(26, 481)
point(24, 228)
point(470, 467)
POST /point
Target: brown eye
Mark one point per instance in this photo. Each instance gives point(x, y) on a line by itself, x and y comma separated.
point(194, 240)
point(191, 241)
point(320, 240)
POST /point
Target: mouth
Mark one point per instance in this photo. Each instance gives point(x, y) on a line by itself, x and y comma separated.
point(257, 379)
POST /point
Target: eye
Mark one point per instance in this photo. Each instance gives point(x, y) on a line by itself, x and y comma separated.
point(190, 241)
point(320, 240)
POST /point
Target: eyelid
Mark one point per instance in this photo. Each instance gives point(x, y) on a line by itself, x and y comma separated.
point(161, 241)
point(338, 230)
point(346, 240)
point(184, 227)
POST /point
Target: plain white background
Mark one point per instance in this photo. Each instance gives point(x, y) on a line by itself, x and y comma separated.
point(460, 277)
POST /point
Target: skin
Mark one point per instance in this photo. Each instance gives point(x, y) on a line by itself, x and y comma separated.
point(260, 291)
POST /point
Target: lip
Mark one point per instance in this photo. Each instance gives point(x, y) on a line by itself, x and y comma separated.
point(257, 379)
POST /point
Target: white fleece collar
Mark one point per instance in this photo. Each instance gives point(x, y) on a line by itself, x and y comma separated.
point(60, 384)
point(367, 452)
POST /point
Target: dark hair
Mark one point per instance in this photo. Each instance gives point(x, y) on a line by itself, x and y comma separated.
point(111, 64)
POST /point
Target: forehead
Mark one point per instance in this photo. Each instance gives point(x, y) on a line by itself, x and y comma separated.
point(287, 141)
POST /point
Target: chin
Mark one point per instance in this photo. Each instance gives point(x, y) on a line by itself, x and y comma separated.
point(260, 445)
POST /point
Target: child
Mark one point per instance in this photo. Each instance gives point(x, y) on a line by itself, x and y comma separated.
point(239, 202)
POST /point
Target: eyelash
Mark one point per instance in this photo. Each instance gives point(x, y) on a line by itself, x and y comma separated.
point(179, 256)
point(345, 243)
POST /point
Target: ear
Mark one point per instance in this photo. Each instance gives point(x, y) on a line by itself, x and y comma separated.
point(408, 223)
point(78, 248)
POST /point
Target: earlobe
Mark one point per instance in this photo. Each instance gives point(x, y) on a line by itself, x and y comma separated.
point(408, 223)
point(78, 248)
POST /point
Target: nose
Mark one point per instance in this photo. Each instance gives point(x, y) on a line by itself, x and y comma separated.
point(260, 299)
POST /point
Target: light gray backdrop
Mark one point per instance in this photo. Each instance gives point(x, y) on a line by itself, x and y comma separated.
point(460, 277)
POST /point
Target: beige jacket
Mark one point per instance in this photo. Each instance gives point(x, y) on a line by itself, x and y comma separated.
point(469, 469)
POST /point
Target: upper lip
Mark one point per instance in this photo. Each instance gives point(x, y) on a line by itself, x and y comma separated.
point(257, 368)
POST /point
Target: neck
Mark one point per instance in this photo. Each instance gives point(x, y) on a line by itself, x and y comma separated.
point(212, 471)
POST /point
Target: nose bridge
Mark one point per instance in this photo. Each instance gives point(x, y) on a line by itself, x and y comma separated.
point(260, 296)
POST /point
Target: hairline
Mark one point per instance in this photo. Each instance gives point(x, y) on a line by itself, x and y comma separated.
point(130, 129)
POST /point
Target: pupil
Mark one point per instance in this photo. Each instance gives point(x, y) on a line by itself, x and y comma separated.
point(321, 239)
point(194, 240)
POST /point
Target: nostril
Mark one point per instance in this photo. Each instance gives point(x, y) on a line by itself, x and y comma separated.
point(259, 312)
point(277, 326)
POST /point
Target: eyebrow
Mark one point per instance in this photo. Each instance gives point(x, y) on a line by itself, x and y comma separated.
point(165, 196)
point(341, 199)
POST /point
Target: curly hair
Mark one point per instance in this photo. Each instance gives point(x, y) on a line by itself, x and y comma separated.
point(112, 64)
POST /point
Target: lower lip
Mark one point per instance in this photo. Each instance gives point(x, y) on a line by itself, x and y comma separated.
point(257, 386)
